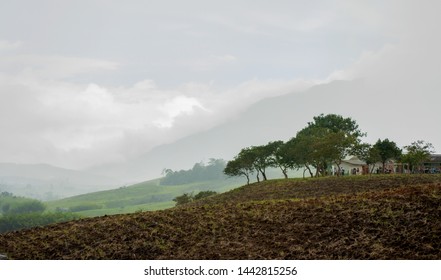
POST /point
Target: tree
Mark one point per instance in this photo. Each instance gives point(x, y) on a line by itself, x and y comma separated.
point(249, 158)
point(215, 168)
point(327, 140)
point(370, 154)
point(199, 172)
point(336, 146)
point(241, 165)
point(281, 157)
point(299, 153)
point(417, 153)
point(183, 199)
point(317, 152)
point(263, 157)
point(387, 150)
point(20, 206)
point(337, 123)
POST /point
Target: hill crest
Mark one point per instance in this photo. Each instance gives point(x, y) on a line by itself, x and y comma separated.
point(395, 217)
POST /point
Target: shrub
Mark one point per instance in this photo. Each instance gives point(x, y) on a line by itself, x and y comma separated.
point(204, 194)
point(85, 206)
point(11, 222)
point(183, 199)
point(23, 206)
point(189, 197)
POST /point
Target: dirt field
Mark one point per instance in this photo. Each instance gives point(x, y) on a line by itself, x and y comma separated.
point(391, 217)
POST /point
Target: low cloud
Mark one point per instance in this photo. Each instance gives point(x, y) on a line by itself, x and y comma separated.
point(53, 66)
point(400, 96)
point(79, 125)
point(48, 116)
point(9, 46)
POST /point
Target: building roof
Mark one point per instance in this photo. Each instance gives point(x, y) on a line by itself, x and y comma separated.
point(354, 161)
point(435, 158)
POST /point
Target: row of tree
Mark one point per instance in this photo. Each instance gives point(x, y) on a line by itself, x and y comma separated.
point(11, 204)
point(20, 212)
point(213, 170)
point(323, 143)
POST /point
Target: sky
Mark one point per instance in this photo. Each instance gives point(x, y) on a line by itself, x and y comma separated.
point(84, 83)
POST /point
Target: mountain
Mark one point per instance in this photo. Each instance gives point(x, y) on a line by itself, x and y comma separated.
point(47, 182)
point(277, 118)
point(380, 110)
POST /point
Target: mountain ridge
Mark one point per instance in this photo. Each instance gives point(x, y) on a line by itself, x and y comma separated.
point(45, 181)
point(275, 118)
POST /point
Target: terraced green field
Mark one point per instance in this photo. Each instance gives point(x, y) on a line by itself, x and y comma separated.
point(146, 196)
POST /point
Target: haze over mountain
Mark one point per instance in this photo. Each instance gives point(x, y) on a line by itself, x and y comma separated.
point(279, 118)
point(47, 182)
point(128, 88)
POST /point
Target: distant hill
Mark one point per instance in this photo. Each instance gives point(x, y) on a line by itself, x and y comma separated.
point(47, 182)
point(353, 217)
point(277, 118)
point(149, 195)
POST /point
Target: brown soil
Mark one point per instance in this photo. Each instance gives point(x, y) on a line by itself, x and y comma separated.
point(393, 217)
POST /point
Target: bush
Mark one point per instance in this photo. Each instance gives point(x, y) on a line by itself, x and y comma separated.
point(85, 206)
point(204, 194)
point(11, 222)
point(183, 199)
point(28, 207)
point(21, 206)
point(188, 197)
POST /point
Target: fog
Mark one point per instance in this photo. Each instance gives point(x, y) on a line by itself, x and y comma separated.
point(85, 84)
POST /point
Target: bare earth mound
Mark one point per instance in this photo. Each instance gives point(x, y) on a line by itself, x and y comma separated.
point(392, 217)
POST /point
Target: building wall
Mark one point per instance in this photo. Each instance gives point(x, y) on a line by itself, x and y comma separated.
point(348, 167)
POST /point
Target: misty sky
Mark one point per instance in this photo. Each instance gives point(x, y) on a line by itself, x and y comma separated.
point(88, 82)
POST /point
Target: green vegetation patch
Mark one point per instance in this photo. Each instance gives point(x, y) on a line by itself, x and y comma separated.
point(144, 196)
point(12, 222)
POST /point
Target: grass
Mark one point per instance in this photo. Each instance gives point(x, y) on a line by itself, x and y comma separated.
point(129, 209)
point(146, 196)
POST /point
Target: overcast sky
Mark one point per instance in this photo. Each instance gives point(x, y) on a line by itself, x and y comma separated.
point(88, 82)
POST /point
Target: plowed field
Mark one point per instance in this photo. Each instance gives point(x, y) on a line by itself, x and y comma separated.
point(392, 217)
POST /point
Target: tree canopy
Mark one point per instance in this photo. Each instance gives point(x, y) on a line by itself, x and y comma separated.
point(324, 142)
point(200, 172)
point(417, 152)
point(387, 150)
point(328, 140)
point(241, 165)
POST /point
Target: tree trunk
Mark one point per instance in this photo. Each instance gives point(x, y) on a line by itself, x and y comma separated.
point(317, 171)
point(262, 171)
point(285, 173)
point(309, 170)
point(372, 170)
point(338, 170)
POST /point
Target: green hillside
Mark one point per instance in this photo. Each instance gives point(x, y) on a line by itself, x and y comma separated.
point(363, 217)
point(145, 196)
